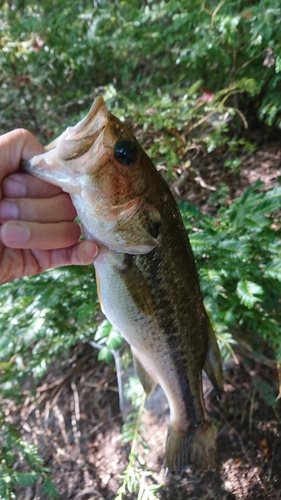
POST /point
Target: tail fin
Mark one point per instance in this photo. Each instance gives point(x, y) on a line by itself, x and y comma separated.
point(195, 447)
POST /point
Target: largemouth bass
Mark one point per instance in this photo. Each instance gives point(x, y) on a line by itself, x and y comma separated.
point(147, 279)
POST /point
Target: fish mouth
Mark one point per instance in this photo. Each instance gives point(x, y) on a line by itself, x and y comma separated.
point(90, 127)
point(58, 164)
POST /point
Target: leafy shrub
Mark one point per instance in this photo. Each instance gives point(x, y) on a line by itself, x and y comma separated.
point(55, 58)
point(14, 450)
point(50, 314)
point(238, 254)
point(41, 317)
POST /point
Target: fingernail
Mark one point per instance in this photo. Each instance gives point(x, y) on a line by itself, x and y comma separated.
point(14, 233)
point(8, 210)
point(87, 252)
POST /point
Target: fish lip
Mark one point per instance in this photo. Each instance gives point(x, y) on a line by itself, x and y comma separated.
point(38, 167)
point(97, 104)
point(89, 120)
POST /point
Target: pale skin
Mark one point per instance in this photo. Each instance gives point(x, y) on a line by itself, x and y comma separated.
point(37, 227)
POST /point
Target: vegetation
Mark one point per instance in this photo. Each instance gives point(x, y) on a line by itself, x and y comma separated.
point(240, 279)
point(185, 75)
point(134, 478)
point(13, 448)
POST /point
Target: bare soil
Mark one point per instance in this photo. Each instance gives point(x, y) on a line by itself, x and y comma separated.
point(75, 420)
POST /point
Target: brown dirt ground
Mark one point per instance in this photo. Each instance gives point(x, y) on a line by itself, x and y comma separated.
point(75, 420)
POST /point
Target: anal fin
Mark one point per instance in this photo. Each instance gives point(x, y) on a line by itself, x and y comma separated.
point(213, 364)
point(145, 379)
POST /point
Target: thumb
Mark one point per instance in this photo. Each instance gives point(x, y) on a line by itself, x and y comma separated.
point(15, 146)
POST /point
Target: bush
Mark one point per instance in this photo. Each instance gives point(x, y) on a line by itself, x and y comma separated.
point(15, 451)
point(238, 254)
point(56, 57)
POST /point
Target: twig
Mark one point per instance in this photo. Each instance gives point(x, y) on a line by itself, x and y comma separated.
point(279, 379)
point(272, 460)
point(202, 182)
point(245, 350)
point(61, 423)
point(180, 182)
point(215, 12)
point(251, 409)
point(75, 417)
point(88, 491)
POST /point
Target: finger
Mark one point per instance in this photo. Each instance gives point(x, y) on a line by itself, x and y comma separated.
point(21, 234)
point(56, 209)
point(34, 262)
point(21, 185)
point(15, 146)
point(82, 253)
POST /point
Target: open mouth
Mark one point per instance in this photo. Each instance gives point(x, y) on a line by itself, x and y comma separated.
point(58, 164)
point(82, 135)
point(84, 144)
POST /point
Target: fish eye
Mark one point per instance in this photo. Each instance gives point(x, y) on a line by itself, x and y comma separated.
point(126, 152)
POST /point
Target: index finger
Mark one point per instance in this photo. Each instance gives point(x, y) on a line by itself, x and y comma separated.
point(22, 185)
point(15, 146)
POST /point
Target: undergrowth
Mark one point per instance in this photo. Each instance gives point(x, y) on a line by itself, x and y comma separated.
point(238, 254)
point(14, 450)
point(136, 479)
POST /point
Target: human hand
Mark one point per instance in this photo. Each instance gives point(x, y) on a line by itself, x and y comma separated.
point(37, 230)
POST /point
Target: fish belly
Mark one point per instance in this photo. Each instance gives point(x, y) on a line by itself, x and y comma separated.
point(140, 329)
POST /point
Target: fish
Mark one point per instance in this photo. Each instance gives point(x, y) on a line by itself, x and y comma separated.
point(147, 280)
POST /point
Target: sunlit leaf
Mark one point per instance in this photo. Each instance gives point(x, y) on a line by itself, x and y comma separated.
point(249, 292)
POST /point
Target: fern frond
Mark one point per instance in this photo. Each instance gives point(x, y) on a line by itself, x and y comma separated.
point(248, 292)
point(273, 270)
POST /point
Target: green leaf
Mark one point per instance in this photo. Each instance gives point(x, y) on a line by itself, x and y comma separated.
point(201, 241)
point(25, 478)
point(273, 270)
point(103, 331)
point(107, 334)
point(248, 292)
point(49, 488)
point(105, 355)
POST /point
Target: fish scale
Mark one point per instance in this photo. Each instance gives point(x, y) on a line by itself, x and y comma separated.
point(147, 280)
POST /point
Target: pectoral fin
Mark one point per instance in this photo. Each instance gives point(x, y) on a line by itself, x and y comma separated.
point(136, 284)
point(145, 379)
point(140, 231)
point(213, 365)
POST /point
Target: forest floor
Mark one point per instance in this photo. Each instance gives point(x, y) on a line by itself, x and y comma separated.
point(75, 420)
